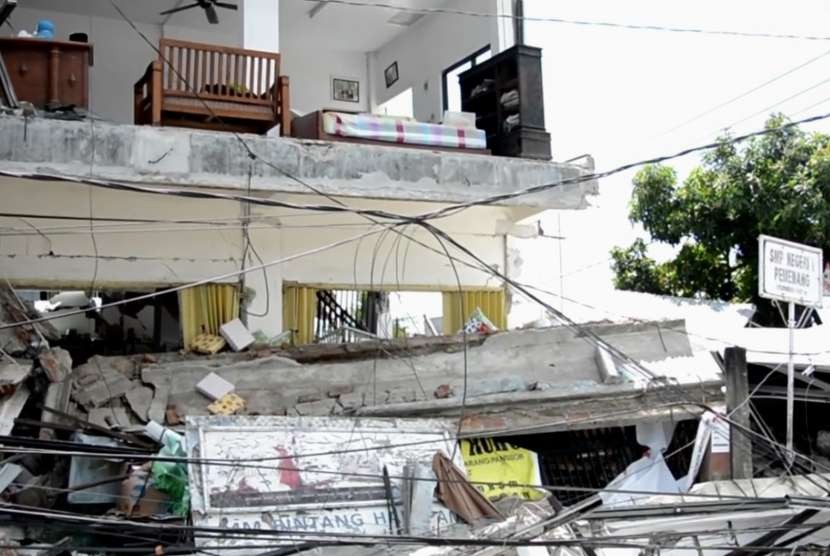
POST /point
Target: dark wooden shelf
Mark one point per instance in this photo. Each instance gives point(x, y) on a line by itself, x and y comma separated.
point(510, 84)
point(520, 64)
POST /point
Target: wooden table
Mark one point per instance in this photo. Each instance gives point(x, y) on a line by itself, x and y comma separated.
point(48, 73)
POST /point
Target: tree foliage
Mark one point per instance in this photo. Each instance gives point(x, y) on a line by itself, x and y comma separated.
point(776, 184)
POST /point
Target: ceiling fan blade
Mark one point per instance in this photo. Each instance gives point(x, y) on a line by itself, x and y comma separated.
point(210, 12)
point(179, 9)
point(225, 5)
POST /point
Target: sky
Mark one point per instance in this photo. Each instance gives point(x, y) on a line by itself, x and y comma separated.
point(617, 94)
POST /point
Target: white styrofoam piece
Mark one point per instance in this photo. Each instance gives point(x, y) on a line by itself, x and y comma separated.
point(237, 336)
point(214, 386)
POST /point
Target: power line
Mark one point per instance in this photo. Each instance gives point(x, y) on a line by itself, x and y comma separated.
point(421, 221)
point(499, 198)
point(779, 103)
point(803, 110)
point(229, 534)
point(423, 245)
point(581, 22)
point(203, 281)
point(743, 94)
point(386, 215)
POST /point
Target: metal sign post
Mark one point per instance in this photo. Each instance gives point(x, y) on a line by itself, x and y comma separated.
point(790, 272)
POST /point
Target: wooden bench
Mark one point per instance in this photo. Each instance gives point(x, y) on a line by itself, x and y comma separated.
point(213, 87)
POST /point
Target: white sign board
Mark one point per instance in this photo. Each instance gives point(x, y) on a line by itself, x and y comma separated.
point(306, 474)
point(790, 271)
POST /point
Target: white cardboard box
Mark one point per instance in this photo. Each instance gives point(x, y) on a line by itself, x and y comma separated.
point(236, 335)
point(214, 386)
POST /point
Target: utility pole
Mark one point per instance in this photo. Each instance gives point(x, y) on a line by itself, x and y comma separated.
point(790, 381)
point(737, 407)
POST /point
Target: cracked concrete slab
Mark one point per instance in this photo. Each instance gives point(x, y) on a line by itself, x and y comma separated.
point(186, 157)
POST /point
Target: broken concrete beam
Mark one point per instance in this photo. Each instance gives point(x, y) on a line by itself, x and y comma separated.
point(57, 397)
point(102, 391)
point(310, 397)
point(350, 403)
point(401, 395)
point(109, 417)
point(158, 407)
point(21, 338)
point(339, 390)
point(317, 408)
point(103, 379)
point(10, 408)
point(608, 371)
point(56, 363)
point(498, 385)
point(13, 373)
point(140, 399)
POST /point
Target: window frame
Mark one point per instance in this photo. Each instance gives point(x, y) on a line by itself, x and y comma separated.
point(471, 59)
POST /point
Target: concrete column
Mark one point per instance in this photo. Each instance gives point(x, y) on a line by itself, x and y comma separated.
point(264, 312)
point(737, 391)
point(261, 25)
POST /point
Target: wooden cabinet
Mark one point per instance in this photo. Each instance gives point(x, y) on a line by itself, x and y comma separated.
point(506, 94)
point(47, 73)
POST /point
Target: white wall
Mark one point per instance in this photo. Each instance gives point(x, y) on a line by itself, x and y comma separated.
point(425, 50)
point(121, 56)
point(146, 256)
point(261, 25)
point(223, 35)
point(310, 72)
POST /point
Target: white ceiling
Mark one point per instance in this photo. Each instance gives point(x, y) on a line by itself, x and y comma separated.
point(140, 11)
point(335, 27)
point(344, 27)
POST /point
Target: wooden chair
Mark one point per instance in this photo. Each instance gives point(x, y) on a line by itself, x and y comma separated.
point(213, 87)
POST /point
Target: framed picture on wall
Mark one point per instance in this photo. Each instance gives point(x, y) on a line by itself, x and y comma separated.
point(345, 90)
point(391, 74)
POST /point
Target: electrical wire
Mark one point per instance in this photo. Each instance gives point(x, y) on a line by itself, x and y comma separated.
point(440, 211)
point(596, 340)
point(580, 22)
point(209, 280)
point(546, 292)
point(253, 156)
point(248, 463)
point(743, 95)
point(229, 533)
point(779, 103)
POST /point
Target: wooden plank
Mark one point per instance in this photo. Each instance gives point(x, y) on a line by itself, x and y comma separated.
point(189, 71)
point(211, 68)
point(179, 81)
point(222, 98)
point(260, 87)
point(168, 61)
point(246, 78)
point(227, 80)
point(203, 79)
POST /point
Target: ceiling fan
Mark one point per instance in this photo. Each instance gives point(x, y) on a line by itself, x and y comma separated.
point(208, 5)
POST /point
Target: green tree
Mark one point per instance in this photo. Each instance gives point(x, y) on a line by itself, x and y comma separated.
point(776, 184)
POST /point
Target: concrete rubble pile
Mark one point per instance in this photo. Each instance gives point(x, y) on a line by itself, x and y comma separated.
point(106, 440)
point(335, 449)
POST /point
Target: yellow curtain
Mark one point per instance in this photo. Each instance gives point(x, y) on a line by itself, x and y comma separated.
point(207, 307)
point(299, 306)
point(491, 302)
